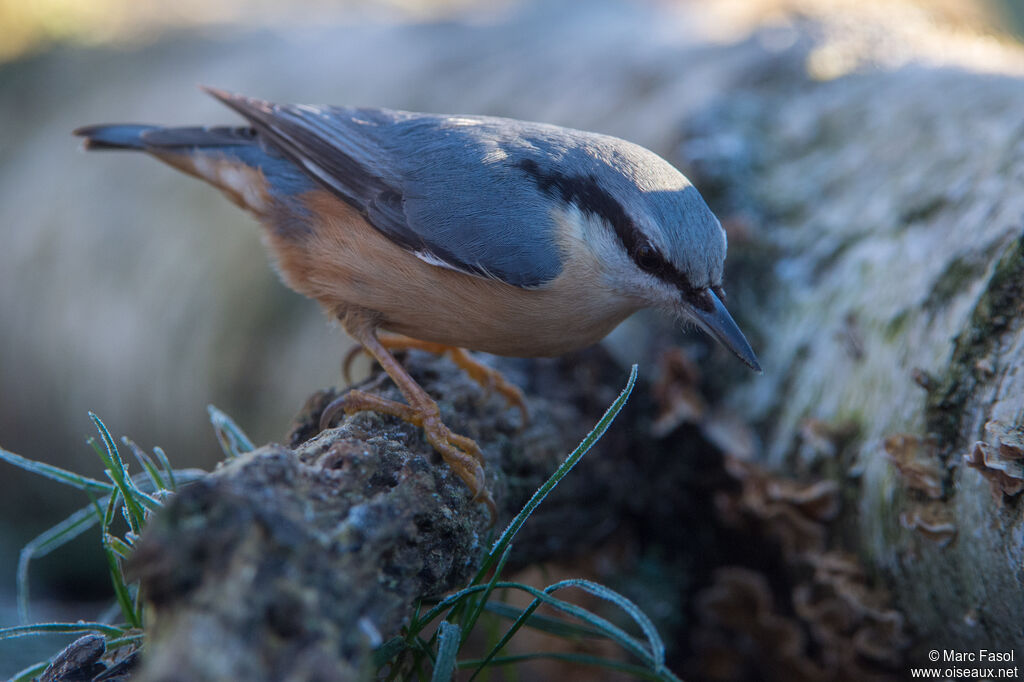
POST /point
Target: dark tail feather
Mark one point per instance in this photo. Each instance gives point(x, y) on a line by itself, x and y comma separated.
point(231, 159)
point(149, 138)
point(116, 136)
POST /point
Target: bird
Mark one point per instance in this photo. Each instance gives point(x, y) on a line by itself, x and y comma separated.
point(454, 232)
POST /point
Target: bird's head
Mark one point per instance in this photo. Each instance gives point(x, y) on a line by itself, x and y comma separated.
point(656, 238)
point(676, 251)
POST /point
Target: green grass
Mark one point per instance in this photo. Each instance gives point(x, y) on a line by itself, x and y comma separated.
point(428, 651)
point(430, 644)
point(122, 502)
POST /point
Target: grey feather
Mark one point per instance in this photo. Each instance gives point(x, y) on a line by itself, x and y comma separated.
point(479, 193)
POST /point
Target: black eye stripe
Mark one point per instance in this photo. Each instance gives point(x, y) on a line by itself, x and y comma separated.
point(648, 259)
point(584, 192)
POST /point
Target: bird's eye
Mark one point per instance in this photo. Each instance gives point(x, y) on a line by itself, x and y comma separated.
point(646, 257)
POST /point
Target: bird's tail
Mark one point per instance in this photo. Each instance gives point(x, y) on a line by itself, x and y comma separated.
point(230, 159)
point(119, 136)
point(156, 138)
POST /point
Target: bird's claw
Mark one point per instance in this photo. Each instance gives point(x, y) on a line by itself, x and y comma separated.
point(460, 453)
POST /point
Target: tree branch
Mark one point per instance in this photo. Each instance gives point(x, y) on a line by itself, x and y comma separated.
point(294, 563)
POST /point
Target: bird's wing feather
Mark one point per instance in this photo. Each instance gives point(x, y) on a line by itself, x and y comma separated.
point(441, 187)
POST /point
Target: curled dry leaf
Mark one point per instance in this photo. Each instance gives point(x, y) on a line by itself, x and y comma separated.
point(917, 461)
point(933, 521)
point(740, 604)
point(818, 500)
point(854, 634)
point(742, 633)
point(1009, 439)
point(791, 512)
point(1000, 458)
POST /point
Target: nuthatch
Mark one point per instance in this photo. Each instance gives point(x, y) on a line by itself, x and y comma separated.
point(491, 234)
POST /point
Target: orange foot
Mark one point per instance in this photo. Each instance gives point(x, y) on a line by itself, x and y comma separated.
point(488, 378)
point(462, 454)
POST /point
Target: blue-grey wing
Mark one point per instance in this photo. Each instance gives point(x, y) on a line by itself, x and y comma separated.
point(446, 188)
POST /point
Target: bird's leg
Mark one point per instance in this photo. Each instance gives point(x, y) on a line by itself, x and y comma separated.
point(462, 454)
point(491, 379)
point(391, 342)
point(488, 378)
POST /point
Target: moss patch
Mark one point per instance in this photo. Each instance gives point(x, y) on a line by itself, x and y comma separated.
point(960, 272)
point(896, 327)
point(1001, 303)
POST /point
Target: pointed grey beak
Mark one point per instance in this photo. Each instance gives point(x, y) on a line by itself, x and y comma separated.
point(710, 314)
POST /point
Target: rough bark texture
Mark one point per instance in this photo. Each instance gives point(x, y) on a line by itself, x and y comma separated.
point(294, 563)
point(878, 223)
point(895, 312)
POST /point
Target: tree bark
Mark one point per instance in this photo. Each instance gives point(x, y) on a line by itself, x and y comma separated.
point(877, 258)
point(294, 563)
point(894, 312)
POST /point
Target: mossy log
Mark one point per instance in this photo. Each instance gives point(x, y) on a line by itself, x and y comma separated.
point(295, 562)
point(891, 327)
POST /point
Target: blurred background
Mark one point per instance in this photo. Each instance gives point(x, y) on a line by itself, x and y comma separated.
point(142, 295)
